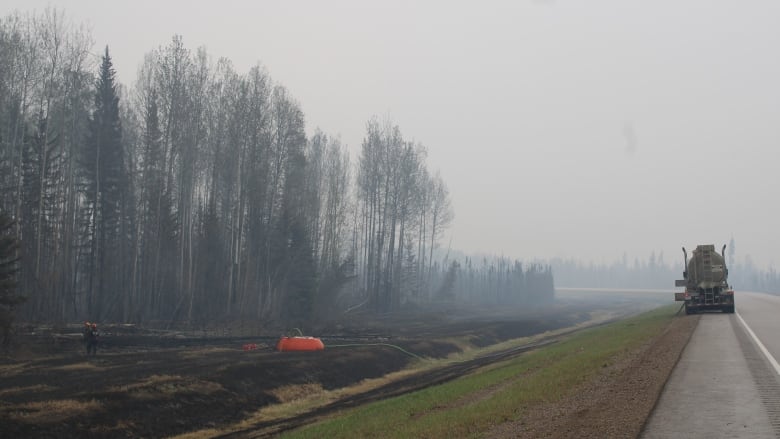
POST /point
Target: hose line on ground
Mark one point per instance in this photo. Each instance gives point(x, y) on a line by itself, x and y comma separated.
point(376, 344)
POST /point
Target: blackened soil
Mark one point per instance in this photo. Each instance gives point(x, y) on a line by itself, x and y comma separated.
point(150, 384)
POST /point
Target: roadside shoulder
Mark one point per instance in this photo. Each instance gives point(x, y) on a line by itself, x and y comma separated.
point(617, 401)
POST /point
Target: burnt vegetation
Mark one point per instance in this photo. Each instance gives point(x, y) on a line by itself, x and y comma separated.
point(195, 195)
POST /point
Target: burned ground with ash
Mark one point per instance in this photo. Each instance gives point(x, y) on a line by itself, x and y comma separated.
point(159, 383)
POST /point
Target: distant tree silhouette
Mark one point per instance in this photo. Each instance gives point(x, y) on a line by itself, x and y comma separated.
point(104, 186)
point(9, 296)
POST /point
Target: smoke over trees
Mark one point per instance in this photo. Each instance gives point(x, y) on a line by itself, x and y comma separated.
point(654, 272)
point(196, 194)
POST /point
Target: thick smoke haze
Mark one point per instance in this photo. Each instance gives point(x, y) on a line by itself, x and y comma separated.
point(562, 128)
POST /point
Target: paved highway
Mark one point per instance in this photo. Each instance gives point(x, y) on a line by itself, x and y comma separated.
point(727, 382)
point(761, 313)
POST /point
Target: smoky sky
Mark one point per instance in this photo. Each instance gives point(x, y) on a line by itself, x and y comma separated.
point(562, 128)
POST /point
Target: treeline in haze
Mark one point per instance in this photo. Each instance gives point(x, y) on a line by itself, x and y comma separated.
point(650, 273)
point(656, 273)
point(196, 194)
point(497, 280)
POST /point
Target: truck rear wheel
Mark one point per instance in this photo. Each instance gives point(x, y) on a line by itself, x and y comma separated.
point(729, 309)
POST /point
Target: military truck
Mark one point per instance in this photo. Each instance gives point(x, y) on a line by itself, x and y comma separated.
point(706, 281)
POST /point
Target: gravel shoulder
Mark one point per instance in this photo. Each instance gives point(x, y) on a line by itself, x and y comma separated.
point(617, 402)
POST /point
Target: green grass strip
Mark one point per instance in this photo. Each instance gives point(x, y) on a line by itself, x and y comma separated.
point(473, 404)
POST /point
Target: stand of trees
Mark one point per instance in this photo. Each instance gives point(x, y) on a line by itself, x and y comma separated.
point(197, 195)
point(655, 273)
point(650, 273)
point(496, 280)
point(9, 296)
point(746, 276)
point(401, 211)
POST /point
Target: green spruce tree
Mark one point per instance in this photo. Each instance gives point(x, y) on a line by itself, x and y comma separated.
point(104, 182)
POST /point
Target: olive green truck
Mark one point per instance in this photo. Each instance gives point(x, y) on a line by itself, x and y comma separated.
point(706, 281)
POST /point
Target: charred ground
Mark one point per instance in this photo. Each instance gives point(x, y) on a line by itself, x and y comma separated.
point(155, 383)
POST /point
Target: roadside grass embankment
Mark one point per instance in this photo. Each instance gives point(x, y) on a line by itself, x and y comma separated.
point(499, 393)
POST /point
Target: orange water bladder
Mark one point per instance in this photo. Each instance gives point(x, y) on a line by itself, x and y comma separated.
point(289, 344)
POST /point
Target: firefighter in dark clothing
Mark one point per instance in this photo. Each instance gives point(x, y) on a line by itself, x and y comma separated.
point(92, 339)
point(85, 333)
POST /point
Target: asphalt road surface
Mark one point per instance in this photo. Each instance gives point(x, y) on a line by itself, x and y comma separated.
point(727, 382)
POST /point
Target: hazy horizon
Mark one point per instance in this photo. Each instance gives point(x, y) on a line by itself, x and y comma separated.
point(562, 129)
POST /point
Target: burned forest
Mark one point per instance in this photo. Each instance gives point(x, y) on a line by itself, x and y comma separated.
point(195, 195)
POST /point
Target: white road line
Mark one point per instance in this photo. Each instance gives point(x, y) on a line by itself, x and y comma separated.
point(760, 345)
